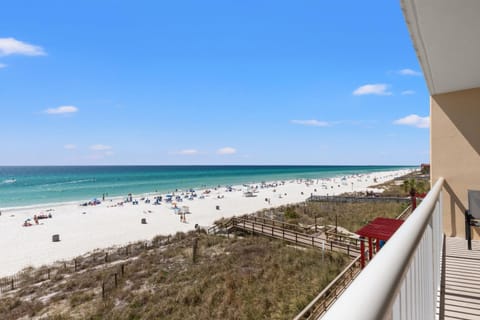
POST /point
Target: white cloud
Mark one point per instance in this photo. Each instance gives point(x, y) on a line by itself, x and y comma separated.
point(70, 146)
point(414, 121)
point(188, 152)
point(409, 72)
point(408, 92)
point(62, 110)
point(227, 150)
point(100, 147)
point(379, 89)
point(3, 65)
point(9, 46)
point(312, 123)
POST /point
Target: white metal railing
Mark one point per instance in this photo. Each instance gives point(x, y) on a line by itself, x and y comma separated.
point(402, 280)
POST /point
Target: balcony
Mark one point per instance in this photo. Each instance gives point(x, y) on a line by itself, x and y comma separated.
point(418, 274)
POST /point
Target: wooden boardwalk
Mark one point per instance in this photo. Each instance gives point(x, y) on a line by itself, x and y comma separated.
point(292, 236)
point(459, 296)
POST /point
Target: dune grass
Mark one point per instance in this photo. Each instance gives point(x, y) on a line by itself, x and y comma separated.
point(236, 278)
point(349, 215)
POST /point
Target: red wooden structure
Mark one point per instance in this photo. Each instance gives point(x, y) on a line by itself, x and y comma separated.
point(379, 229)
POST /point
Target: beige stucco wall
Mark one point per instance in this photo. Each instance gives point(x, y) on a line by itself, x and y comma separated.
point(455, 153)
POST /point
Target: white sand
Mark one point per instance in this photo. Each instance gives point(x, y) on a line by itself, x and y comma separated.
point(103, 226)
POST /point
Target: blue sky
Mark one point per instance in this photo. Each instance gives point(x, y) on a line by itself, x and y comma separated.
point(209, 82)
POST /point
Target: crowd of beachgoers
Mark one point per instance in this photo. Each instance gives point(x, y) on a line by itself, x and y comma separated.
point(84, 226)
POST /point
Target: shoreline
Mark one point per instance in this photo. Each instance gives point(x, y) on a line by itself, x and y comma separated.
point(84, 229)
point(47, 205)
point(40, 203)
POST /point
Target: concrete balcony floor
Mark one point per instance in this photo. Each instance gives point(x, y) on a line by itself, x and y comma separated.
point(459, 297)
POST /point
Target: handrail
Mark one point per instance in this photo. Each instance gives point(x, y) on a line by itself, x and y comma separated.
point(279, 228)
point(215, 227)
point(272, 221)
point(309, 308)
point(297, 237)
point(404, 212)
point(385, 273)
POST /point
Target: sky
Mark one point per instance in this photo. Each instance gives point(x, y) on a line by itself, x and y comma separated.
point(96, 82)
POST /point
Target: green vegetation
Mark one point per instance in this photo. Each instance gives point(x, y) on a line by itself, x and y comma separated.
point(291, 214)
point(349, 215)
point(412, 186)
point(236, 278)
point(403, 187)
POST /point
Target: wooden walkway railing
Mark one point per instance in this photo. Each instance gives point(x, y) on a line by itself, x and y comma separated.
point(314, 198)
point(282, 224)
point(275, 230)
point(320, 304)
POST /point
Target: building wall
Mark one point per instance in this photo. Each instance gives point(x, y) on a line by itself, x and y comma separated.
point(455, 153)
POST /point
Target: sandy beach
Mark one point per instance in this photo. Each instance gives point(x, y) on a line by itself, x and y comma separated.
point(83, 229)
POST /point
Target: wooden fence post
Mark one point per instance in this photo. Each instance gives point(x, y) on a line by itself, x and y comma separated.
point(116, 280)
point(75, 262)
point(103, 289)
point(13, 283)
point(122, 268)
point(195, 248)
point(106, 257)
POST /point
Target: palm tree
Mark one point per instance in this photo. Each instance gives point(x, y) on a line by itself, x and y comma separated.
point(413, 187)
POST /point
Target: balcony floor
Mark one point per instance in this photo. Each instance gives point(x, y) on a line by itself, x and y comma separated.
point(460, 294)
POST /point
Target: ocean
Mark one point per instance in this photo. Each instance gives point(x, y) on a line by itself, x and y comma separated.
point(25, 186)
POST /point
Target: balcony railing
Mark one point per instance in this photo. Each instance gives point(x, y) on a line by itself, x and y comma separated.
point(403, 279)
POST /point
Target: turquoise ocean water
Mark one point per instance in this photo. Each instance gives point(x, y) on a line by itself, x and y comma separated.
point(24, 186)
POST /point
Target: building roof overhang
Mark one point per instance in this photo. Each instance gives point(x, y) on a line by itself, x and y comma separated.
point(446, 37)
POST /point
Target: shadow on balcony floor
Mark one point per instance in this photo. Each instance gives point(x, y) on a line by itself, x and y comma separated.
point(460, 294)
